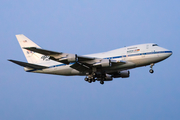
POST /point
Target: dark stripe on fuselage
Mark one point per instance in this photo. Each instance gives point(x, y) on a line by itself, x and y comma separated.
point(130, 55)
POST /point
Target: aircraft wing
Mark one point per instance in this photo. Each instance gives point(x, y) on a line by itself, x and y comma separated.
point(59, 56)
point(42, 51)
point(80, 67)
point(29, 65)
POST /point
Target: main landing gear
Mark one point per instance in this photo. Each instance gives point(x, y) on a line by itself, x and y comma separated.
point(151, 70)
point(102, 82)
point(90, 78)
point(93, 77)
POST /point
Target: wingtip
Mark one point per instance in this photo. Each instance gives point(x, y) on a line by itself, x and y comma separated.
point(13, 61)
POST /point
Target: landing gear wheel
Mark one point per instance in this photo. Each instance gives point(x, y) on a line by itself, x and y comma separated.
point(89, 80)
point(151, 71)
point(102, 82)
point(86, 79)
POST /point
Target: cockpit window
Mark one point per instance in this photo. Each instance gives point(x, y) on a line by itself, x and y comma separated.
point(155, 45)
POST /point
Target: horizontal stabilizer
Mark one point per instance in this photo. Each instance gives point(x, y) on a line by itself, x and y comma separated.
point(28, 65)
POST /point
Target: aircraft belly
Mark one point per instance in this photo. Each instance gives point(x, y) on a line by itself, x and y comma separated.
point(62, 70)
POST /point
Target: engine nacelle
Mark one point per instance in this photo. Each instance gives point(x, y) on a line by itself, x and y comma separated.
point(105, 63)
point(108, 77)
point(123, 74)
point(72, 58)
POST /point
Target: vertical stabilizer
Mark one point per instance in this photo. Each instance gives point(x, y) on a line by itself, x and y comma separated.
point(31, 56)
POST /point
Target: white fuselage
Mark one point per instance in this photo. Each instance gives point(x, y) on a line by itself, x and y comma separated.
point(135, 56)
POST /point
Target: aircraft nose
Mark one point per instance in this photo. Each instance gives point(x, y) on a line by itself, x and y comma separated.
point(169, 53)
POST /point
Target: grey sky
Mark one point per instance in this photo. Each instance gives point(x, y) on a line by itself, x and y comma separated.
point(85, 27)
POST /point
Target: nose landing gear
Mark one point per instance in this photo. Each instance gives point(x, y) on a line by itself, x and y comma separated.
point(151, 70)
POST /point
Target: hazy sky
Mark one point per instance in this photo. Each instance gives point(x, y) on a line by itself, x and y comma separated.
point(84, 27)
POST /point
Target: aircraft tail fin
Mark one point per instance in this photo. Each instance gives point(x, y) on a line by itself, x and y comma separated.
point(31, 56)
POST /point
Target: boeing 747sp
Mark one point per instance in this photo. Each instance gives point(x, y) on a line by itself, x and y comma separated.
point(96, 67)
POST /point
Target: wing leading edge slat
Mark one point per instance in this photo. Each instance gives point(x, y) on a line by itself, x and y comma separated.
point(42, 51)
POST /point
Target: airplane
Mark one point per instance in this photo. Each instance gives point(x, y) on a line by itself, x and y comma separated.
point(96, 67)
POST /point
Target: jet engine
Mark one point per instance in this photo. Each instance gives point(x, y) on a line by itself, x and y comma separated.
point(108, 77)
point(72, 58)
point(103, 63)
point(105, 77)
point(123, 74)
